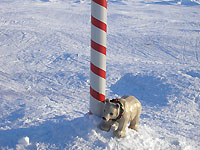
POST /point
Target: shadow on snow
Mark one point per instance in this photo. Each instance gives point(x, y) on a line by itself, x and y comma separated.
point(148, 89)
point(174, 2)
point(194, 74)
point(58, 131)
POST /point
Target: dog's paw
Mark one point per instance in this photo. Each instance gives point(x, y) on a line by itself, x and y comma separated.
point(119, 134)
point(104, 126)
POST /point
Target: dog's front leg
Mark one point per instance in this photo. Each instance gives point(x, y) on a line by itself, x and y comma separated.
point(105, 125)
point(120, 132)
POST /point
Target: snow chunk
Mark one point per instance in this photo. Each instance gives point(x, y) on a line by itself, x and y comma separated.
point(22, 143)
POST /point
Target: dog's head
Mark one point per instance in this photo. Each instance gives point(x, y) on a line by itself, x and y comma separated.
point(111, 110)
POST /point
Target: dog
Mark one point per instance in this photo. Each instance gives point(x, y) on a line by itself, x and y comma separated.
point(122, 111)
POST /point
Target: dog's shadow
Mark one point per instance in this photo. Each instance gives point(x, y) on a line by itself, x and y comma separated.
point(148, 89)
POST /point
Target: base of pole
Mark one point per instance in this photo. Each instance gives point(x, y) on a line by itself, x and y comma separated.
point(96, 107)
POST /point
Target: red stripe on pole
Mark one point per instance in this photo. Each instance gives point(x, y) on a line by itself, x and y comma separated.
point(101, 2)
point(98, 71)
point(99, 48)
point(98, 96)
point(99, 24)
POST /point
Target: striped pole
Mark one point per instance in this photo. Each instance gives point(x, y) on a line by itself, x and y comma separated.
point(98, 55)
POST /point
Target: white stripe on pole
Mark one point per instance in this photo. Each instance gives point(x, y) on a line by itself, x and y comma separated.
point(98, 83)
point(98, 55)
point(99, 12)
point(99, 59)
point(98, 35)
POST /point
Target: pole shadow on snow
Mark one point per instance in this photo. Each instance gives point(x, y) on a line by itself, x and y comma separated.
point(58, 131)
point(148, 89)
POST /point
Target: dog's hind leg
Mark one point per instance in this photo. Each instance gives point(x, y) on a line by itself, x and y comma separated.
point(134, 124)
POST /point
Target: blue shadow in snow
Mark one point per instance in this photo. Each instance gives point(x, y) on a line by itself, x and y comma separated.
point(194, 74)
point(58, 131)
point(174, 2)
point(149, 90)
point(14, 116)
point(121, 2)
point(44, 0)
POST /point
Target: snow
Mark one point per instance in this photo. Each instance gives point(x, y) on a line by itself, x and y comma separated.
point(23, 143)
point(153, 53)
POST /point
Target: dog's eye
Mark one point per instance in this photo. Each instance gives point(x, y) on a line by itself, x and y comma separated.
point(111, 114)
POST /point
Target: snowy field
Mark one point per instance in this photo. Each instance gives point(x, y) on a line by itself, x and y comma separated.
point(153, 53)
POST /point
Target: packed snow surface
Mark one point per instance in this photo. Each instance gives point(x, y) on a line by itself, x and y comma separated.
point(153, 53)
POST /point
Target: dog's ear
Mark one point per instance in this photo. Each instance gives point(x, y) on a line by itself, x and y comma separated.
point(107, 100)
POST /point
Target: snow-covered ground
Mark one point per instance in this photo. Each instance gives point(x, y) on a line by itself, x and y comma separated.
point(153, 53)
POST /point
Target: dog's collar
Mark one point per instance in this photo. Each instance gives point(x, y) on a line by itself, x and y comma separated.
point(121, 109)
